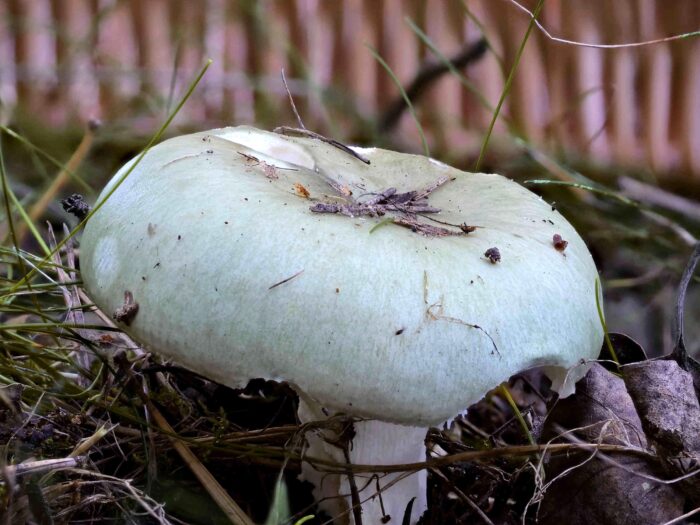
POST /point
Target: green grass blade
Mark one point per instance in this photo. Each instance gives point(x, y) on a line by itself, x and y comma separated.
point(394, 78)
point(598, 306)
point(508, 85)
point(279, 509)
point(53, 160)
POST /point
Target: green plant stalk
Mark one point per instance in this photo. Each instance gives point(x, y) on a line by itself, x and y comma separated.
point(381, 224)
point(508, 84)
point(378, 58)
point(28, 221)
point(34, 148)
point(608, 343)
point(518, 415)
point(593, 189)
point(38, 327)
point(13, 232)
point(279, 512)
point(481, 27)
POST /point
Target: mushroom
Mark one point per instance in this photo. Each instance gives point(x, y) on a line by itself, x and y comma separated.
point(357, 276)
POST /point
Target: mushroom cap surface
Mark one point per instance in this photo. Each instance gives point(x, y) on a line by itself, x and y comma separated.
point(386, 323)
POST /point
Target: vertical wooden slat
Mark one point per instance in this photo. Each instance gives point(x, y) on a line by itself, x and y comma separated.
point(655, 89)
point(186, 22)
point(116, 57)
point(8, 79)
point(684, 114)
point(238, 43)
point(155, 57)
point(559, 125)
point(529, 95)
point(493, 82)
point(622, 67)
point(35, 55)
point(690, 118)
point(359, 70)
point(211, 88)
point(398, 46)
point(486, 74)
point(316, 47)
point(78, 90)
point(298, 59)
point(590, 85)
point(401, 48)
point(278, 50)
point(64, 59)
point(442, 105)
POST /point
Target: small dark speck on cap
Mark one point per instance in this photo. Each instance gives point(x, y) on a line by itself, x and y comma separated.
point(559, 243)
point(493, 255)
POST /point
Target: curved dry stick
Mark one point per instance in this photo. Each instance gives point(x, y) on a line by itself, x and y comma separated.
point(680, 353)
point(426, 76)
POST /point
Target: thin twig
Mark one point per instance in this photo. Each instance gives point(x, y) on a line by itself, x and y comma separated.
point(679, 352)
point(681, 519)
point(234, 513)
point(287, 279)
point(463, 496)
point(407, 206)
point(570, 436)
point(476, 455)
point(156, 511)
point(354, 494)
point(41, 466)
point(679, 36)
point(425, 192)
point(291, 101)
point(286, 130)
point(655, 196)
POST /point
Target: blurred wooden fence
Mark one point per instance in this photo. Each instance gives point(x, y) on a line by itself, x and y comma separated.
point(75, 59)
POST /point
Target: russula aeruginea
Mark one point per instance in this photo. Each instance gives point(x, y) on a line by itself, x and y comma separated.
point(365, 286)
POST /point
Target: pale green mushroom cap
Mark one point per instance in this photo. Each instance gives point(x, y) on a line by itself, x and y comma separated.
point(386, 323)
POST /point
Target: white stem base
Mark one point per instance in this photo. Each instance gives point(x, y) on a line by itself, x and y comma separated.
point(381, 495)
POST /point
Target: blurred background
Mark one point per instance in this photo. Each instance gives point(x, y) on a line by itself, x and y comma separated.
point(606, 94)
point(596, 107)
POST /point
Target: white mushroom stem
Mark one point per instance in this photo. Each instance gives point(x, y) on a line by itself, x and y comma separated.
point(382, 495)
